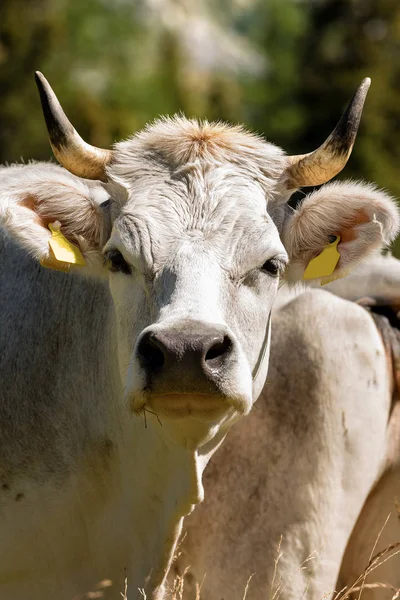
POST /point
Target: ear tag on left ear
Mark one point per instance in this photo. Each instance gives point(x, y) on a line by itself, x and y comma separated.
point(325, 263)
point(62, 249)
point(63, 252)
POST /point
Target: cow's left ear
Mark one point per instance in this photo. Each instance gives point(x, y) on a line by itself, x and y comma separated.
point(61, 220)
point(357, 216)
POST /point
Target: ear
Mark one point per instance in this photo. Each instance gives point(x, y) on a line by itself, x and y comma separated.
point(364, 217)
point(35, 195)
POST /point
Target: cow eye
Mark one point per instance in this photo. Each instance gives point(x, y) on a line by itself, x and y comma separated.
point(116, 262)
point(273, 267)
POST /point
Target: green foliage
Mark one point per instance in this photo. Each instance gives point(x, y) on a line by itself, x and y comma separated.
point(271, 103)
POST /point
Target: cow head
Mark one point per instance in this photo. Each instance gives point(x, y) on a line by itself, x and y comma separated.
point(190, 223)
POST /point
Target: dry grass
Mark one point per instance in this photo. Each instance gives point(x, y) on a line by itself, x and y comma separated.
point(376, 561)
point(178, 589)
point(125, 593)
point(278, 587)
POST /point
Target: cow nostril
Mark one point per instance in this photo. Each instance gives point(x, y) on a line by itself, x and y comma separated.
point(218, 350)
point(150, 354)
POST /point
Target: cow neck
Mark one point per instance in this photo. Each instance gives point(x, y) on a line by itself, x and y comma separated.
point(167, 485)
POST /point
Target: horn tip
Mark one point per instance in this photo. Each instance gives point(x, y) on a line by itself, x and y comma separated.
point(42, 84)
point(359, 97)
point(366, 82)
point(58, 126)
point(40, 79)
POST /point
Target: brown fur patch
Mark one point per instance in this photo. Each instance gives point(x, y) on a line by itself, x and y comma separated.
point(185, 140)
point(31, 202)
point(349, 234)
point(210, 137)
point(83, 219)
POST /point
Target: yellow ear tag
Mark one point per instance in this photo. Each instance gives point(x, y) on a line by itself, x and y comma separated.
point(325, 263)
point(63, 254)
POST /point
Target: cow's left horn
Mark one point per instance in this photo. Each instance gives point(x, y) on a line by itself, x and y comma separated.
point(329, 159)
point(71, 151)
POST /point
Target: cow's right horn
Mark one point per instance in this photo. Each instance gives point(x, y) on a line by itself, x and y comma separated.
point(329, 159)
point(71, 151)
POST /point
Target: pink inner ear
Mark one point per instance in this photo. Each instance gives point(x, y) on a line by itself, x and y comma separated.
point(28, 202)
point(348, 233)
point(43, 215)
point(31, 202)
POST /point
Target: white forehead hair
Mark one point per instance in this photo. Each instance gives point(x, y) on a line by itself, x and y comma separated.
point(171, 145)
point(184, 175)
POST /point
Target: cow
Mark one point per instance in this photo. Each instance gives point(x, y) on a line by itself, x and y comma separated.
point(136, 293)
point(298, 499)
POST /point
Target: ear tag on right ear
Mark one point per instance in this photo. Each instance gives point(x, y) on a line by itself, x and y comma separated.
point(325, 263)
point(63, 253)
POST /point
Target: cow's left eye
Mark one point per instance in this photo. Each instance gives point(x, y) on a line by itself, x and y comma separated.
point(272, 266)
point(116, 262)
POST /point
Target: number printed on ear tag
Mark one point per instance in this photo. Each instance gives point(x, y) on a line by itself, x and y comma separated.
point(325, 263)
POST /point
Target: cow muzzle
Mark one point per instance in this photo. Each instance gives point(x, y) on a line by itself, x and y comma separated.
point(186, 366)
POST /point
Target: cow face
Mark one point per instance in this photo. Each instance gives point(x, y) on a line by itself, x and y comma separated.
point(194, 261)
point(190, 223)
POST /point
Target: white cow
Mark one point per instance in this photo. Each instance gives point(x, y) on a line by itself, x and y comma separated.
point(122, 375)
point(318, 460)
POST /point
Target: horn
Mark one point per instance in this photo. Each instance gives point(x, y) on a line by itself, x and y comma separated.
point(329, 159)
point(71, 151)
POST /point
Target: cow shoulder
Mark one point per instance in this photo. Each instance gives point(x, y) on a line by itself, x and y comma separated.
point(315, 336)
point(54, 390)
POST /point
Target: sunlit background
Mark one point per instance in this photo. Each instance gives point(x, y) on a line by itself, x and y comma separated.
point(286, 68)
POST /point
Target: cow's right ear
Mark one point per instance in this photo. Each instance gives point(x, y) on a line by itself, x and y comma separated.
point(34, 196)
point(336, 228)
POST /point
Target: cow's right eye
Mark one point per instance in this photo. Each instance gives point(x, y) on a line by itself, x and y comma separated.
point(116, 262)
point(273, 267)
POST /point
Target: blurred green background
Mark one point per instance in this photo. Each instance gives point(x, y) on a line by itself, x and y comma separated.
point(286, 68)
